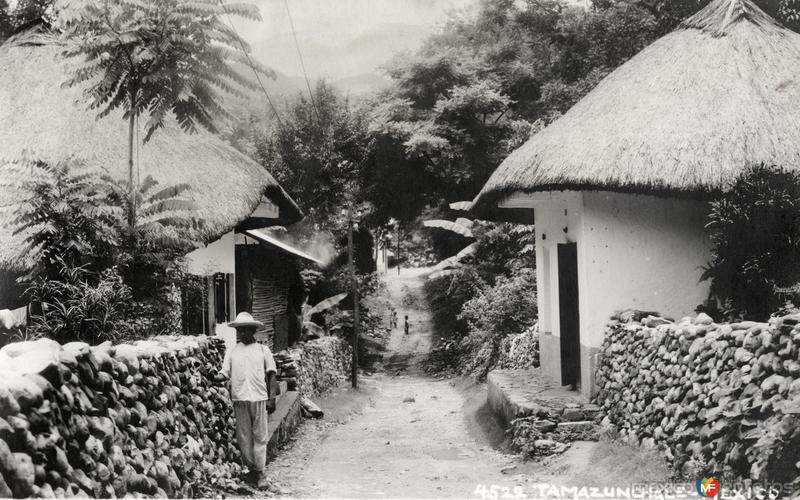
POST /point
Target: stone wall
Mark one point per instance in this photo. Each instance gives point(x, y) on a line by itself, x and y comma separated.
point(718, 398)
point(315, 367)
point(151, 418)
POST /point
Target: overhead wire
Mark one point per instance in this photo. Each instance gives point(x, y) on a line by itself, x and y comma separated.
point(250, 63)
point(302, 62)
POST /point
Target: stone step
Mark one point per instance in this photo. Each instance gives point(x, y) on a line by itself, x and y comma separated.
point(522, 393)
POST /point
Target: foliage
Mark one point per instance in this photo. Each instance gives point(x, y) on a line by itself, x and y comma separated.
point(74, 222)
point(80, 305)
point(506, 308)
point(755, 234)
point(64, 217)
point(520, 350)
point(159, 57)
point(446, 296)
point(165, 229)
point(503, 248)
point(317, 150)
point(479, 87)
point(320, 307)
point(24, 13)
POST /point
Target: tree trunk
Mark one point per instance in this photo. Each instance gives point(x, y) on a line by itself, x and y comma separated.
point(354, 291)
point(131, 187)
point(131, 207)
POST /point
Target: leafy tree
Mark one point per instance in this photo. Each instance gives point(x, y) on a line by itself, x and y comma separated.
point(755, 234)
point(477, 89)
point(318, 150)
point(158, 58)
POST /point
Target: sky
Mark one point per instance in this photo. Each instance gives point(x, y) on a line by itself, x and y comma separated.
point(342, 38)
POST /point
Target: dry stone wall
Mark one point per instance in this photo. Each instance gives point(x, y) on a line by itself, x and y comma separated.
point(151, 418)
point(718, 398)
point(315, 367)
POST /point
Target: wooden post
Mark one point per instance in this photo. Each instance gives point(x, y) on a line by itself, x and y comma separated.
point(354, 291)
point(398, 248)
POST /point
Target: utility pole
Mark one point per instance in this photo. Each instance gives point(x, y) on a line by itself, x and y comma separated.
point(354, 292)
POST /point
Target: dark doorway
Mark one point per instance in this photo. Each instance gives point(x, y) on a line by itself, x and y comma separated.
point(569, 316)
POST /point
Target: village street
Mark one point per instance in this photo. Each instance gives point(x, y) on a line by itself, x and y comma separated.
point(407, 434)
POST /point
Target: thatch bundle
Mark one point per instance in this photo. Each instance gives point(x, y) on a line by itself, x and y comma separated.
point(719, 398)
point(148, 419)
point(44, 120)
point(685, 116)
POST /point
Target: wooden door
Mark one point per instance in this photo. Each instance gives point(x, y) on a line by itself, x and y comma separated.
point(569, 316)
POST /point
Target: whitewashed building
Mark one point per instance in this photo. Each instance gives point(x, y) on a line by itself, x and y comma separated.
point(618, 186)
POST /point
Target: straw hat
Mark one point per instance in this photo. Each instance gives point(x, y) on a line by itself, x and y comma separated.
point(244, 319)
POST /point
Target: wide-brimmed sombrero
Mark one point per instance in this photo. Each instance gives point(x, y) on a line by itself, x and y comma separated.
point(244, 319)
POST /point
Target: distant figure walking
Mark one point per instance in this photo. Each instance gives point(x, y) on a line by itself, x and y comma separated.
point(406, 324)
point(393, 320)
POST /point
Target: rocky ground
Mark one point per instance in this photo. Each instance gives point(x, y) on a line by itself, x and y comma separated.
point(404, 433)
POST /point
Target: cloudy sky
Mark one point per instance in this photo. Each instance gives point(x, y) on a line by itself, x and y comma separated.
point(343, 38)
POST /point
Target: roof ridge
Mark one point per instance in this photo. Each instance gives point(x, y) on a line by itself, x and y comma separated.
point(719, 16)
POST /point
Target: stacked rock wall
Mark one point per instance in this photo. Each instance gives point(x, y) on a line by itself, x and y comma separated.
point(315, 367)
point(151, 418)
point(719, 398)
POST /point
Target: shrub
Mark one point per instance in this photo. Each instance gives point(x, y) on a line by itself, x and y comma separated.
point(503, 248)
point(77, 234)
point(446, 296)
point(64, 217)
point(508, 307)
point(755, 235)
point(80, 305)
point(520, 350)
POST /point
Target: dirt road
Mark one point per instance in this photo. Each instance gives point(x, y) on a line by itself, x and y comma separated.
point(406, 434)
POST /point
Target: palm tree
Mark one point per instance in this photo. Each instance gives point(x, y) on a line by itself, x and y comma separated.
point(159, 58)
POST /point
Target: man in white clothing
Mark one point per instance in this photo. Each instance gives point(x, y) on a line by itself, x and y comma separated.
point(251, 371)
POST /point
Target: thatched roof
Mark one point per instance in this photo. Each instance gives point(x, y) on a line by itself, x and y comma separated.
point(40, 119)
point(683, 117)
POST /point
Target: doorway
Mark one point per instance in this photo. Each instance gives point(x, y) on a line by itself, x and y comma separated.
point(569, 315)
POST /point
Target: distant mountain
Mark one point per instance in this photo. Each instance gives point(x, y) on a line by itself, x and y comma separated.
point(360, 85)
point(341, 60)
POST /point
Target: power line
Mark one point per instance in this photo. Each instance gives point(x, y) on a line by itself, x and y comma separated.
point(302, 62)
point(250, 62)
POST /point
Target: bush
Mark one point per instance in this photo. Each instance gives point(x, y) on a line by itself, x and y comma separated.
point(508, 307)
point(503, 248)
point(79, 240)
point(65, 218)
point(521, 350)
point(446, 296)
point(755, 235)
point(80, 306)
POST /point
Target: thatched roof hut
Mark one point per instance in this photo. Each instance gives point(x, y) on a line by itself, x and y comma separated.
point(683, 117)
point(41, 119)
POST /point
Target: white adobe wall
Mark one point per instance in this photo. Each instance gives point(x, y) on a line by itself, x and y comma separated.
point(217, 257)
point(643, 252)
point(634, 251)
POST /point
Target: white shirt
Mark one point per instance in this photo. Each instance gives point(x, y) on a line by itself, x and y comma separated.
point(247, 367)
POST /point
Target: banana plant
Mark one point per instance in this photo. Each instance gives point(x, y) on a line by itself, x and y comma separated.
point(460, 226)
point(308, 311)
